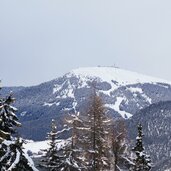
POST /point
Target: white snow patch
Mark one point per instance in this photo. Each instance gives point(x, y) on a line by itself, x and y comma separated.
point(74, 104)
point(116, 107)
point(58, 103)
point(139, 90)
point(161, 85)
point(36, 147)
point(67, 92)
point(105, 92)
point(57, 88)
point(82, 82)
point(135, 90)
point(23, 113)
point(50, 104)
point(70, 92)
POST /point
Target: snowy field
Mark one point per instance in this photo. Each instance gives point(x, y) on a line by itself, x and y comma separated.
point(36, 148)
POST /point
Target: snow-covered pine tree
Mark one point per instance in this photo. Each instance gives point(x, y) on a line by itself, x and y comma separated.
point(142, 162)
point(12, 156)
point(74, 147)
point(52, 160)
point(98, 142)
point(8, 119)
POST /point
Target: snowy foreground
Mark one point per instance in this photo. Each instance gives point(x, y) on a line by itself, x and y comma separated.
point(35, 149)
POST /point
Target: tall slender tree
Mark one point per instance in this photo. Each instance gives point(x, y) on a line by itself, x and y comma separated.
point(142, 162)
point(98, 123)
point(74, 151)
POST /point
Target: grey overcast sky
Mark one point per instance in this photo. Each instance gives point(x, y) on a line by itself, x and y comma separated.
point(43, 39)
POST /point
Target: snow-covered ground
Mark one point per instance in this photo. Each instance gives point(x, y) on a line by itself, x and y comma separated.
point(122, 76)
point(116, 107)
point(37, 147)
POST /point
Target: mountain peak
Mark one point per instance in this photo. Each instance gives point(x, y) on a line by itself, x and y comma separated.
point(123, 77)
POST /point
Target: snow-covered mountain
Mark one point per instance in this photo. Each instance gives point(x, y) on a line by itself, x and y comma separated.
point(156, 120)
point(111, 82)
point(123, 92)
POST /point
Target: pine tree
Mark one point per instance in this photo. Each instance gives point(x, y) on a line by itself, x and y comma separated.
point(142, 162)
point(70, 163)
point(73, 149)
point(8, 119)
point(98, 123)
point(52, 159)
point(12, 156)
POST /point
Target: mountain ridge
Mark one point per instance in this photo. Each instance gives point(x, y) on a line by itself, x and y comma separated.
point(123, 92)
